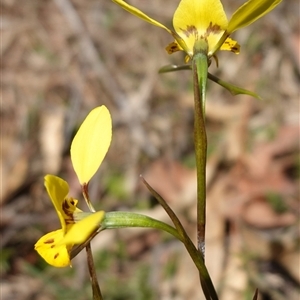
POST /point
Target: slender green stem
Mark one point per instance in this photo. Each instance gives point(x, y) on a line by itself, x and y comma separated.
point(200, 67)
point(93, 276)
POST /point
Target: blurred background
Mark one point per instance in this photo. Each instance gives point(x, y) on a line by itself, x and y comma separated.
point(62, 58)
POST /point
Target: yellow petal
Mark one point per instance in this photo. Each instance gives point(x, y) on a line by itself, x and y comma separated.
point(203, 19)
point(249, 12)
point(91, 143)
point(173, 47)
point(231, 45)
point(82, 230)
point(65, 207)
point(140, 14)
point(58, 190)
point(53, 254)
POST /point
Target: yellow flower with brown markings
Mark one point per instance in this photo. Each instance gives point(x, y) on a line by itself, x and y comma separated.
point(55, 246)
point(88, 150)
point(206, 19)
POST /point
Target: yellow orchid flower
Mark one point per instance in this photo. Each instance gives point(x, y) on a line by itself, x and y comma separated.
point(55, 246)
point(88, 150)
point(205, 19)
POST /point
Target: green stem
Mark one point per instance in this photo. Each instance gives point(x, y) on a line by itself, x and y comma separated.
point(200, 67)
point(93, 276)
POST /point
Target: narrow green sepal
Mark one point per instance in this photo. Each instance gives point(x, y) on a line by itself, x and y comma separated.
point(233, 89)
point(173, 68)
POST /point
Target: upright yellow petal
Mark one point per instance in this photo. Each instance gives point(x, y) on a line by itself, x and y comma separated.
point(58, 190)
point(140, 14)
point(65, 207)
point(200, 19)
point(91, 143)
point(249, 12)
point(81, 231)
point(53, 254)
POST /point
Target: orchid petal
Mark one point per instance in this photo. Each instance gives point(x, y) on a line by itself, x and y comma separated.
point(54, 254)
point(231, 45)
point(194, 20)
point(58, 190)
point(82, 230)
point(249, 12)
point(140, 14)
point(91, 143)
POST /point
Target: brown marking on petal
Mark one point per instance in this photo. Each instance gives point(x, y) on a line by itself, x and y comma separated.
point(213, 28)
point(190, 29)
point(234, 46)
point(66, 207)
point(70, 221)
point(69, 209)
point(56, 255)
point(173, 47)
point(234, 49)
point(52, 246)
point(50, 241)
